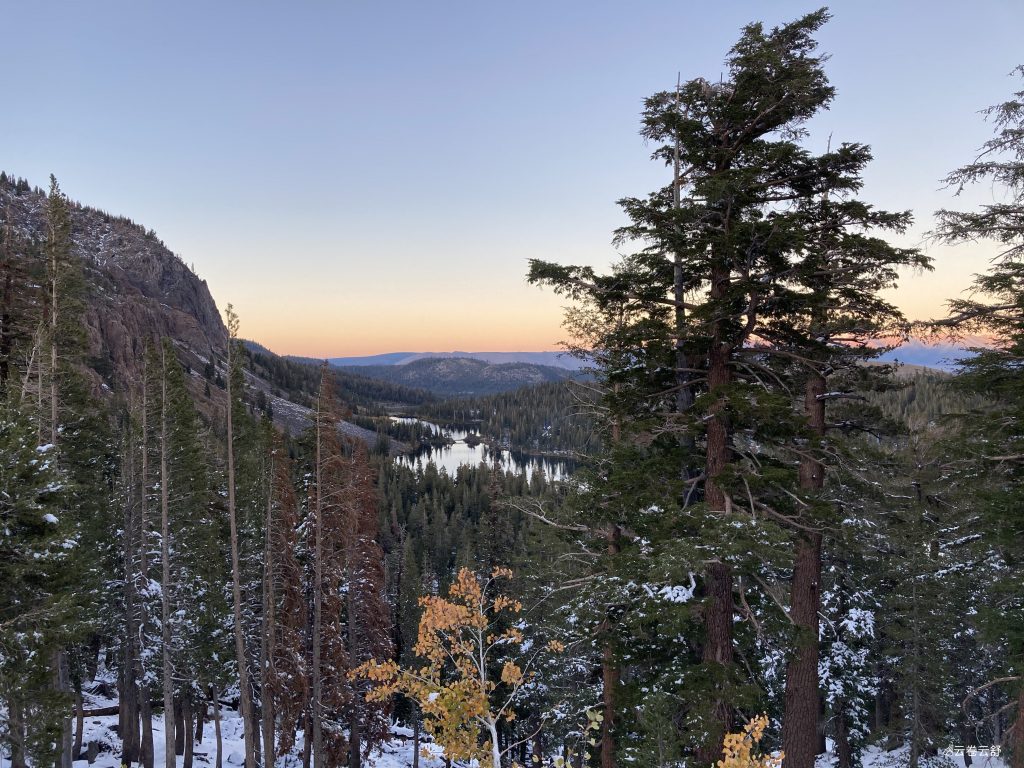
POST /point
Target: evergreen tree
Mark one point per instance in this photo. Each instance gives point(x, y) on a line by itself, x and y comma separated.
point(992, 435)
point(759, 278)
point(234, 396)
point(31, 610)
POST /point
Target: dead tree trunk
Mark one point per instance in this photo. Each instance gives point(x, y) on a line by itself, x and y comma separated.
point(318, 571)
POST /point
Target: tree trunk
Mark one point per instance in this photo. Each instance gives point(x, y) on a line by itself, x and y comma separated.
point(236, 571)
point(200, 722)
point(267, 712)
point(146, 751)
point(355, 739)
point(609, 675)
point(415, 740)
point(256, 725)
point(718, 609)
point(307, 744)
point(16, 732)
point(609, 682)
point(128, 711)
point(844, 752)
point(800, 721)
point(128, 692)
point(165, 576)
point(179, 726)
point(186, 730)
point(355, 734)
point(318, 582)
point(492, 729)
point(62, 678)
point(62, 683)
point(718, 651)
point(267, 640)
point(218, 762)
point(802, 697)
point(76, 749)
point(1017, 757)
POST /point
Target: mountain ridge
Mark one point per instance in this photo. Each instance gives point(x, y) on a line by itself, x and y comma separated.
point(553, 358)
point(456, 376)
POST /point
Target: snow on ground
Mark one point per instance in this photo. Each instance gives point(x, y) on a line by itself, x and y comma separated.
point(396, 753)
point(876, 757)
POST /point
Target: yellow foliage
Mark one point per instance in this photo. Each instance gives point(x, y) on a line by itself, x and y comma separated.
point(453, 690)
point(740, 749)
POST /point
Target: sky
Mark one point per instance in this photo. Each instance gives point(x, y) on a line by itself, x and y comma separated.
point(361, 177)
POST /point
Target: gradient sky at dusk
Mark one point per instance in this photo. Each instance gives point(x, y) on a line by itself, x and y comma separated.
point(362, 177)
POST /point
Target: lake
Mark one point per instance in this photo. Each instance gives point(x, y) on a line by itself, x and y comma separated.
point(451, 457)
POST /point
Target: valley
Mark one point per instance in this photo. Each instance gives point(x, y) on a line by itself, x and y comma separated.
point(763, 507)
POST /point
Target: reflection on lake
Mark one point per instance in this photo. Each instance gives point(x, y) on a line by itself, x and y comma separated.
point(451, 457)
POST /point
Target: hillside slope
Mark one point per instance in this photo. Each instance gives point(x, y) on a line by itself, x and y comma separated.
point(137, 288)
point(138, 291)
point(554, 359)
point(462, 375)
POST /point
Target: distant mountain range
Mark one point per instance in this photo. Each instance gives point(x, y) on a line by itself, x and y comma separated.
point(942, 356)
point(553, 359)
point(456, 376)
point(939, 355)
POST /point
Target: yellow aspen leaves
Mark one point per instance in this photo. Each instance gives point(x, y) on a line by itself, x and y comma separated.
point(739, 749)
point(463, 690)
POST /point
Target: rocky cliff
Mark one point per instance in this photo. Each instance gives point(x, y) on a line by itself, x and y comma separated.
point(137, 289)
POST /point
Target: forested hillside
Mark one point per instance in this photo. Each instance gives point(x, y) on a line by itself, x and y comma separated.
point(558, 417)
point(299, 382)
point(455, 376)
point(772, 550)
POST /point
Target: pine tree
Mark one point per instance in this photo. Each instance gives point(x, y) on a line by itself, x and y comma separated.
point(241, 656)
point(760, 278)
point(31, 555)
point(993, 434)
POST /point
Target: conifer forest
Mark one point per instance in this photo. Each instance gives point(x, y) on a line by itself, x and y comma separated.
point(733, 532)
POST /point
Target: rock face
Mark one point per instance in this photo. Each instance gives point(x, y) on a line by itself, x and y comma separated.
point(137, 289)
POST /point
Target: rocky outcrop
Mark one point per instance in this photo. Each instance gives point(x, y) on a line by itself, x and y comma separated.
point(137, 289)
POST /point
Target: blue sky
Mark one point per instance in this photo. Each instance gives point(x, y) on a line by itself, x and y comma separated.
point(362, 177)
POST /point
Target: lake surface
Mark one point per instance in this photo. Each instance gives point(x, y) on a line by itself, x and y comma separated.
point(451, 457)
